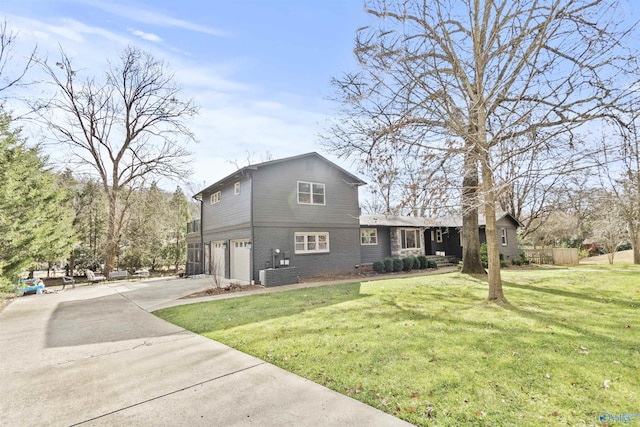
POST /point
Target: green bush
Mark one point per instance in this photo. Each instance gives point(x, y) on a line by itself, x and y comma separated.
point(378, 267)
point(388, 265)
point(397, 265)
point(407, 263)
point(421, 262)
point(484, 257)
point(431, 264)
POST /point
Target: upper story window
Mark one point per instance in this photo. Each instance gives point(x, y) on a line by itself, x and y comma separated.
point(503, 236)
point(368, 236)
point(215, 197)
point(306, 243)
point(236, 188)
point(410, 238)
point(310, 193)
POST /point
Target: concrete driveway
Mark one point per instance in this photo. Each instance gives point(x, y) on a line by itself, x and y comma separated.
point(95, 355)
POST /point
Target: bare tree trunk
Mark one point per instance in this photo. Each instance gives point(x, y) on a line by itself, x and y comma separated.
point(493, 251)
point(110, 245)
point(634, 233)
point(471, 261)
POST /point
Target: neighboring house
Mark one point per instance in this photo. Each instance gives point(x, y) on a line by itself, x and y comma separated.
point(299, 214)
point(442, 236)
point(384, 236)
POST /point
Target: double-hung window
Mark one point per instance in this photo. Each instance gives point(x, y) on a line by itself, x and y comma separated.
point(439, 235)
point(503, 236)
point(311, 242)
point(410, 238)
point(310, 193)
point(368, 236)
point(215, 197)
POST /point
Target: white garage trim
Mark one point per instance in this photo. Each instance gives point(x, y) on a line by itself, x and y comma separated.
point(218, 252)
point(240, 260)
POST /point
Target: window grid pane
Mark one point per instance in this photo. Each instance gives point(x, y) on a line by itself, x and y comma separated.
point(311, 193)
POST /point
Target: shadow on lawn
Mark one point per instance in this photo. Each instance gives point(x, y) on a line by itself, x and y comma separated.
point(568, 294)
point(553, 321)
point(231, 313)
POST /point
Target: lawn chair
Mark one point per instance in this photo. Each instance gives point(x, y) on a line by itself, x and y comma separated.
point(93, 277)
point(68, 280)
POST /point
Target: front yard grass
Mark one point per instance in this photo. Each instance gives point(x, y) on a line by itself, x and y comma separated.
point(431, 351)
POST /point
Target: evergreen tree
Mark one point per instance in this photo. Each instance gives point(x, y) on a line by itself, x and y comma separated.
point(35, 222)
point(179, 216)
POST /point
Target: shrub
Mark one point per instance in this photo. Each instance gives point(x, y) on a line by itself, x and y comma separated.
point(431, 264)
point(388, 265)
point(378, 267)
point(407, 263)
point(421, 262)
point(484, 256)
point(397, 264)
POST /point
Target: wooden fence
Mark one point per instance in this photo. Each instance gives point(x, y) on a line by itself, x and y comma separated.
point(555, 256)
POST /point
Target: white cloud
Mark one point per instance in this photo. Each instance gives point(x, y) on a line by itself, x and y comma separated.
point(151, 18)
point(146, 36)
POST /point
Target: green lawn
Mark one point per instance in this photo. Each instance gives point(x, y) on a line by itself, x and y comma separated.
point(430, 350)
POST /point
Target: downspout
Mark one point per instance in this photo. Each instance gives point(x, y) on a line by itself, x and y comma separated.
point(201, 200)
point(253, 245)
point(201, 236)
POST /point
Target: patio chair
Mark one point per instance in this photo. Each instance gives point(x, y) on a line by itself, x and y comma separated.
point(68, 280)
point(93, 277)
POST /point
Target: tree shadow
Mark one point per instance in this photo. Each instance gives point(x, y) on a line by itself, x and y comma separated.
point(569, 294)
point(261, 308)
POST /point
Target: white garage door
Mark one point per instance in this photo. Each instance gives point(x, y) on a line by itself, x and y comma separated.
point(240, 256)
point(217, 258)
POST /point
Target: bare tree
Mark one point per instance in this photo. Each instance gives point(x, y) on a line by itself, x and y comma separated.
point(609, 228)
point(12, 75)
point(466, 77)
point(619, 171)
point(129, 128)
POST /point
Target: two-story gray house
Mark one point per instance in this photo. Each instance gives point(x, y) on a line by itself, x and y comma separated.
point(276, 221)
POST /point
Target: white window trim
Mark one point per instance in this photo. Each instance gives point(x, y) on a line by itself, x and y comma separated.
point(418, 239)
point(311, 184)
point(306, 242)
point(369, 236)
point(439, 235)
point(236, 188)
point(503, 236)
point(216, 197)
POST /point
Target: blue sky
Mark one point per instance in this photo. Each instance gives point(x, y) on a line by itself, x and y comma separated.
point(260, 70)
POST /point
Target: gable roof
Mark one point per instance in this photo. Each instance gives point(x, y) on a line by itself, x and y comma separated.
point(242, 172)
point(393, 221)
point(456, 220)
point(412, 221)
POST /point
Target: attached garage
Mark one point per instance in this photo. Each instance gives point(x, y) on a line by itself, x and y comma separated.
point(241, 260)
point(218, 264)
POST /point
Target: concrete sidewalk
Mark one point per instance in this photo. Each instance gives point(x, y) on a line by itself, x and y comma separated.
point(95, 355)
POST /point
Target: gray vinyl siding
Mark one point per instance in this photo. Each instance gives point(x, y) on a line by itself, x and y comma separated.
point(342, 257)
point(372, 253)
point(275, 195)
point(231, 212)
point(509, 252)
